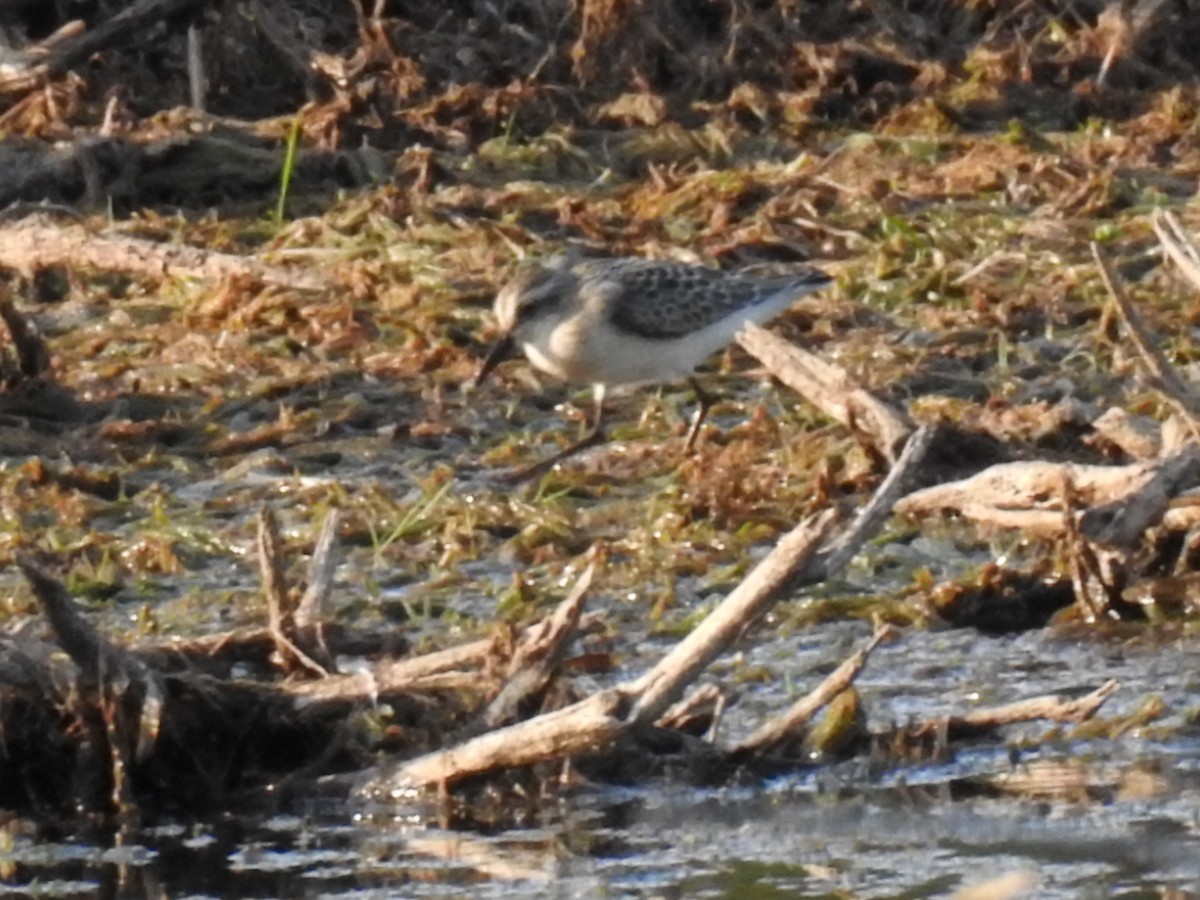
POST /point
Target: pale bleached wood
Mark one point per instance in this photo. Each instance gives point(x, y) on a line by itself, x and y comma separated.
point(665, 683)
point(870, 519)
point(1030, 485)
point(1177, 245)
point(791, 723)
point(795, 561)
point(32, 244)
point(1116, 504)
point(588, 725)
point(1138, 437)
point(539, 653)
point(280, 605)
point(313, 608)
point(1167, 379)
point(1050, 708)
point(600, 720)
point(831, 389)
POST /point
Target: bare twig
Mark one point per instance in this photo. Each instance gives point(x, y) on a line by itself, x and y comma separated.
point(598, 721)
point(665, 683)
point(787, 726)
point(1054, 709)
point(1177, 245)
point(1157, 365)
point(280, 605)
point(831, 389)
point(871, 517)
point(588, 725)
point(540, 651)
point(32, 244)
point(313, 606)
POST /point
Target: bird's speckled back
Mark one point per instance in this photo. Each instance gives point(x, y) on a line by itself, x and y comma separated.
point(665, 300)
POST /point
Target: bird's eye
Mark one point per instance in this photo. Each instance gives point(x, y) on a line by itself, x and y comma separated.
point(532, 309)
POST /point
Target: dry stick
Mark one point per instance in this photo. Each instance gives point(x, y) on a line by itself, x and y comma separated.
point(1122, 501)
point(602, 718)
point(758, 591)
point(418, 673)
point(30, 245)
point(794, 562)
point(788, 725)
point(96, 658)
point(588, 725)
point(1024, 486)
point(871, 517)
point(313, 606)
point(1177, 245)
point(279, 603)
point(537, 656)
point(831, 389)
point(1159, 367)
point(1054, 709)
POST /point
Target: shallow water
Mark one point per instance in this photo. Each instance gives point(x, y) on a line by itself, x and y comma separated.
point(1118, 817)
point(793, 839)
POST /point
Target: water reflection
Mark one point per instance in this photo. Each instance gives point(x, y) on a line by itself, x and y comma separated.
point(797, 839)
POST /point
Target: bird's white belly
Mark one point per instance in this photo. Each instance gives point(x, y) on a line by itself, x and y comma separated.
point(587, 350)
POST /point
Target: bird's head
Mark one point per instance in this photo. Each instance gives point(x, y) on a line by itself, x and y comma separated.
point(533, 293)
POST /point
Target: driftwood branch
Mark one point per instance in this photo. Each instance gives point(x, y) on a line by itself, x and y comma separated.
point(665, 683)
point(281, 606)
point(455, 668)
point(32, 244)
point(1159, 368)
point(313, 607)
point(1116, 504)
point(601, 719)
point(788, 726)
point(589, 725)
point(1177, 245)
point(538, 655)
point(869, 520)
point(831, 389)
point(1052, 709)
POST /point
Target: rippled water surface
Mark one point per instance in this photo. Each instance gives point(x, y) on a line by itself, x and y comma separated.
point(1116, 817)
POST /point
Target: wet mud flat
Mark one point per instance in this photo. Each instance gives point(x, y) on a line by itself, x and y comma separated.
point(916, 614)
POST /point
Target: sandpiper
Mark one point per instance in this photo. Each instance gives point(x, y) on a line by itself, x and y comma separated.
point(632, 321)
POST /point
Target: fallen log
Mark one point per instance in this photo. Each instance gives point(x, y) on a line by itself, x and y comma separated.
point(32, 244)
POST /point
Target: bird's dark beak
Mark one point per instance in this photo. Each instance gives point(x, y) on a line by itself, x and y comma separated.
point(500, 351)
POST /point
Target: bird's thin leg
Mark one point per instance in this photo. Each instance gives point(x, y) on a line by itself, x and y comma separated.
point(704, 402)
point(594, 436)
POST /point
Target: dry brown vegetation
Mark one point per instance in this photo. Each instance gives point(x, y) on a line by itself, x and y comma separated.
point(178, 356)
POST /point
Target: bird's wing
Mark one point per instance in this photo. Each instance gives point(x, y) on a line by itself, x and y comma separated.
point(661, 301)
